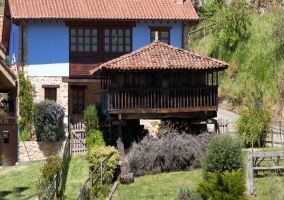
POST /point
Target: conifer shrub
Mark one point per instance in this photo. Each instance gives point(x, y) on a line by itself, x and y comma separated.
point(97, 154)
point(25, 105)
point(50, 169)
point(171, 151)
point(225, 185)
point(96, 127)
point(224, 153)
point(91, 117)
point(95, 138)
point(48, 121)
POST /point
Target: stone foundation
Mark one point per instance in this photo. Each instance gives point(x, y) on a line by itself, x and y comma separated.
point(33, 150)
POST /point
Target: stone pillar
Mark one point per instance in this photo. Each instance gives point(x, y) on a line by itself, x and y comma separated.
point(119, 141)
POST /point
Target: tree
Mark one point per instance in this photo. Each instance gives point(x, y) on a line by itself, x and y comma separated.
point(232, 21)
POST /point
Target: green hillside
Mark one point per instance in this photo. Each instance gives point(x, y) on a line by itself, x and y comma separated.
point(255, 73)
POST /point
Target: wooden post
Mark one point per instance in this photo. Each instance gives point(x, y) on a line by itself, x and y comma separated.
point(120, 144)
point(91, 186)
point(101, 173)
point(249, 176)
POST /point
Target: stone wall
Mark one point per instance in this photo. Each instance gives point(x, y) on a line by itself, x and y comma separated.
point(62, 91)
point(33, 150)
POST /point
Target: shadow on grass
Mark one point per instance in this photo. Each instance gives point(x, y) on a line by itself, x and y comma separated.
point(4, 193)
point(15, 193)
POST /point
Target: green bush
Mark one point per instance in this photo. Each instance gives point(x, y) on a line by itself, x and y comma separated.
point(25, 135)
point(95, 138)
point(48, 121)
point(2, 115)
point(50, 168)
point(97, 154)
point(25, 103)
point(186, 194)
point(92, 117)
point(253, 126)
point(95, 127)
point(225, 185)
point(224, 153)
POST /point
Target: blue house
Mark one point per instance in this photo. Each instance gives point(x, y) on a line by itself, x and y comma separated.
point(57, 43)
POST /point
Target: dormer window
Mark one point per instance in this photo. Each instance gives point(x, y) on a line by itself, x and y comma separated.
point(163, 34)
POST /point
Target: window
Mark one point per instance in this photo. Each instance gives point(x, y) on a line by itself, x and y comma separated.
point(83, 40)
point(117, 40)
point(78, 101)
point(163, 34)
point(50, 91)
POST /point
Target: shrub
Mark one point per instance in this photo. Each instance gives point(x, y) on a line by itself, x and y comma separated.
point(48, 121)
point(225, 185)
point(96, 128)
point(224, 153)
point(253, 126)
point(50, 168)
point(25, 135)
point(97, 154)
point(186, 194)
point(92, 117)
point(25, 103)
point(170, 152)
point(2, 115)
point(95, 138)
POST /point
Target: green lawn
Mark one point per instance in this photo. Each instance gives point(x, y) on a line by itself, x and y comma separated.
point(159, 186)
point(19, 181)
point(77, 174)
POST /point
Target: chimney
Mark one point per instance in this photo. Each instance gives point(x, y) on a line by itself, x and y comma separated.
point(178, 2)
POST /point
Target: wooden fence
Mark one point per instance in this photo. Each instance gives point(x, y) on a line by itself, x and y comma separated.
point(262, 161)
point(222, 126)
point(95, 179)
point(57, 186)
point(200, 32)
point(78, 139)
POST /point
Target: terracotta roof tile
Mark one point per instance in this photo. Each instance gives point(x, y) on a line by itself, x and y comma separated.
point(159, 55)
point(102, 9)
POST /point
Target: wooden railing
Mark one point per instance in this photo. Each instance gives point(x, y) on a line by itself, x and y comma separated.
point(119, 99)
point(57, 187)
point(200, 32)
point(95, 178)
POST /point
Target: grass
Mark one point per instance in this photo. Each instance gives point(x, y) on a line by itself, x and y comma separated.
point(158, 186)
point(19, 181)
point(257, 62)
point(77, 174)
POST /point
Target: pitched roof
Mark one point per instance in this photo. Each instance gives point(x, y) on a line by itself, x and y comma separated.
point(158, 55)
point(102, 9)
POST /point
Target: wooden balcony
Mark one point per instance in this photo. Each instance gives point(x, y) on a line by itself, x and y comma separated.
point(172, 100)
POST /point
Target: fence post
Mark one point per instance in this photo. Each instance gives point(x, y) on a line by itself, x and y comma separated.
point(91, 186)
point(101, 173)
